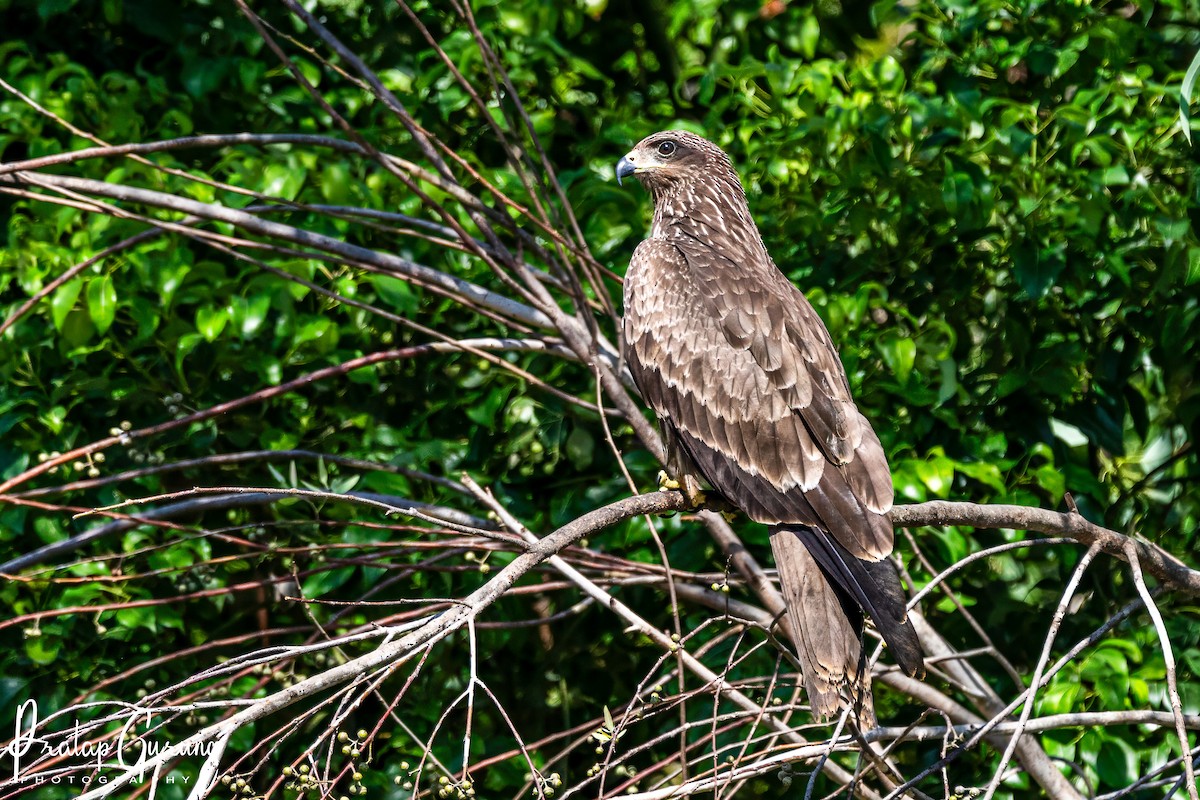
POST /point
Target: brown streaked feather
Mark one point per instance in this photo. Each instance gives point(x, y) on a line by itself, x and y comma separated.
point(728, 408)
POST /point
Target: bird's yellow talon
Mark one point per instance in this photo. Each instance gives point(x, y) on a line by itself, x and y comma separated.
point(689, 487)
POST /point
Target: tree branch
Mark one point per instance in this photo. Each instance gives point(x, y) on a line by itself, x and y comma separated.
point(1154, 560)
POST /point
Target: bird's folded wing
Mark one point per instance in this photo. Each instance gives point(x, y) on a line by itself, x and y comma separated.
point(738, 362)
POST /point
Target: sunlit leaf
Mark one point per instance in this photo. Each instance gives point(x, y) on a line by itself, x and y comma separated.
point(102, 302)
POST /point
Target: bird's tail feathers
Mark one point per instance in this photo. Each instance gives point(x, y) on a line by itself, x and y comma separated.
point(875, 586)
point(825, 625)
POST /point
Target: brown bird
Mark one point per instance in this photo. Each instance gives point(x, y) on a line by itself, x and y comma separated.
point(754, 402)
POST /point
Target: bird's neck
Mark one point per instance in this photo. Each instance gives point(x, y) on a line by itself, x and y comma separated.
point(705, 211)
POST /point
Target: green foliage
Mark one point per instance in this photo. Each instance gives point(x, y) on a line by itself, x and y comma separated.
point(990, 205)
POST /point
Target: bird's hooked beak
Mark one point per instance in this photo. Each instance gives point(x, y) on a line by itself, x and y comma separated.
point(625, 168)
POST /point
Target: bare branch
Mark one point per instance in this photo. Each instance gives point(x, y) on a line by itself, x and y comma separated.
point(1154, 560)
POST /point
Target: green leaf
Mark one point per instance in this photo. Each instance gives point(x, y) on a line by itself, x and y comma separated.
point(984, 472)
point(1193, 266)
point(186, 344)
point(49, 529)
point(77, 329)
point(485, 412)
point(335, 183)
point(112, 11)
point(64, 300)
point(136, 617)
point(396, 293)
point(1058, 698)
point(211, 321)
point(1117, 763)
point(1035, 269)
point(957, 191)
point(43, 649)
point(170, 279)
point(102, 302)
point(1185, 97)
point(249, 315)
point(899, 353)
point(810, 35)
point(51, 8)
point(321, 583)
point(580, 447)
point(937, 473)
point(283, 180)
point(1116, 175)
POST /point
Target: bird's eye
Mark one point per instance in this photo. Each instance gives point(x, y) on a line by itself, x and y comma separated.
point(666, 149)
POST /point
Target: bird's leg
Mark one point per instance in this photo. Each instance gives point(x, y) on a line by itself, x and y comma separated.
point(689, 486)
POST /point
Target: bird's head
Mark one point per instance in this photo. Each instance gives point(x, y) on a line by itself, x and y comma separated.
point(671, 158)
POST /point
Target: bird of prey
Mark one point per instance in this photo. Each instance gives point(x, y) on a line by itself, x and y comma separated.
point(754, 402)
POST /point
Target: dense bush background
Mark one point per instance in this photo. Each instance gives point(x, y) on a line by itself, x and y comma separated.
point(991, 204)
